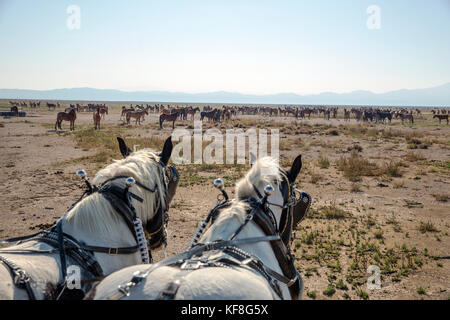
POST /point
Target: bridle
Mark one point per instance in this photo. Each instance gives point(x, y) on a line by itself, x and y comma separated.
point(116, 191)
point(259, 211)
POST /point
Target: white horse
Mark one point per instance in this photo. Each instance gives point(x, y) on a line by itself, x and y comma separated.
point(205, 277)
point(94, 222)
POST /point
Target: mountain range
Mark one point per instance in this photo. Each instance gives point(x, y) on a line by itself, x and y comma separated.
point(432, 97)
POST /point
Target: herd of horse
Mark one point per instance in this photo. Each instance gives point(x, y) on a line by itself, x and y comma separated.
point(241, 250)
point(172, 113)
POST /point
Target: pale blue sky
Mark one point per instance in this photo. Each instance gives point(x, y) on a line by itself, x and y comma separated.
point(241, 46)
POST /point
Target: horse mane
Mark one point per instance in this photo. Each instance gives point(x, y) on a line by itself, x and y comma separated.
point(94, 212)
point(264, 171)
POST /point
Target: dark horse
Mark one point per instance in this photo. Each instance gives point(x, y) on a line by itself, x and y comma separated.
point(15, 110)
point(51, 105)
point(439, 116)
point(67, 116)
point(383, 115)
point(168, 117)
point(211, 115)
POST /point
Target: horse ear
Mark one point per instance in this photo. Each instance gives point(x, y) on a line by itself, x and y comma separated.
point(295, 169)
point(124, 150)
point(167, 151)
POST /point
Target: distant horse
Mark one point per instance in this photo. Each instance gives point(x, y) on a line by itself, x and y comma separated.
point(125, 111)
point(103, 111)
point(383, 115)
point(97, 117)
point(66, 116)
point(168, 117)
point(51, 105)
point(346, 115)
point(211, 115)
point(406, 116)
point(136, 115)
point(16, 111)
point(439, 116)
point(192, 111)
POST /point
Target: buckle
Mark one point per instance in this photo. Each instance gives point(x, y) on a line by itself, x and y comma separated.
point(113, 251)
point(191, 265)
point(292, 281)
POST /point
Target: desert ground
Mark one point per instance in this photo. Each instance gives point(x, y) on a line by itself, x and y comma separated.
point(380, 192)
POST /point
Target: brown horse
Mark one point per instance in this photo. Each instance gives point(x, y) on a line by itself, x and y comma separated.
point(70, 116)
point(136, 115)
point(97, 117)
point(125, 111)
point(439, 116)
point(168, 117)
point(346, 115)
point(192, 111)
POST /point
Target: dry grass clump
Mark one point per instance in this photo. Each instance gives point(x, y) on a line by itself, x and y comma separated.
point(412, 156)
point(427, 227)
point(415, 143)
point(315, 177)
point(391, 133)
point(441, 197)
point(392, 169)
point(356, 187)
point(323, 161)
point(355, 166)
point(333, 212)
point(399, 184)
point(357, 130)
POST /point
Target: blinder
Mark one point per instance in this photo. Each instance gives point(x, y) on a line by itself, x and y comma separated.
point(294, 210)
point(156, 228)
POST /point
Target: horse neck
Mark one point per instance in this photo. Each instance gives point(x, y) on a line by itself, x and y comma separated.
point(109, 231)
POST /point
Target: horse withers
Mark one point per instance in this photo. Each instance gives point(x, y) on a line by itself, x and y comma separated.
point(101, 233)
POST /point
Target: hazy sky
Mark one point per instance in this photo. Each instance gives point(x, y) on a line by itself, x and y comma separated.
point(243, 46)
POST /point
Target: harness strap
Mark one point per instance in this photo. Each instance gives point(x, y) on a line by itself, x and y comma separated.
point(62, 251)
point(124, 289)
point(20, 277)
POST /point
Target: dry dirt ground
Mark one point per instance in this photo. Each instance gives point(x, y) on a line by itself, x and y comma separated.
point(380, 193)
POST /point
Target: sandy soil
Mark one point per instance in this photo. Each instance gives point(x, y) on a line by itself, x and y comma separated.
point(38, 184)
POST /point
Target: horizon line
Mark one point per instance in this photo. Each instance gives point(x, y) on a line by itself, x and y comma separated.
point(224, 91)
